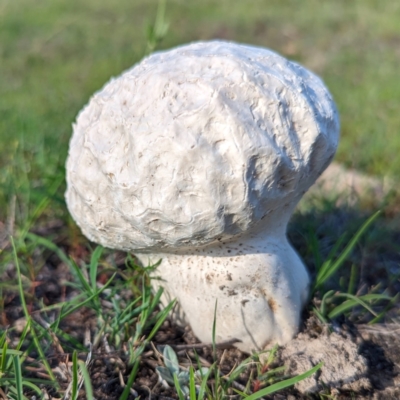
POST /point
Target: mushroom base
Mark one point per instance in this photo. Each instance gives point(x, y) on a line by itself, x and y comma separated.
point(258, 287)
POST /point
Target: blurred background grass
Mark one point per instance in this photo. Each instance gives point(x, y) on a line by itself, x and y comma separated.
point(55, 53)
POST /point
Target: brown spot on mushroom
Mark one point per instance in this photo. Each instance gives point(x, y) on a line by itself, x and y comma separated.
point(209, 277)
point(272, 304)
point(222, 287)
point(244, 302)
point(229, 276)
point(232, 292)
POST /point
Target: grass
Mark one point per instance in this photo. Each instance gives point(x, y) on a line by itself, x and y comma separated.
point(125, 329)
point(53, 56)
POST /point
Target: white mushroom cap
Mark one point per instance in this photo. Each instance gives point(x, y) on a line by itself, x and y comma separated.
point(197, 144)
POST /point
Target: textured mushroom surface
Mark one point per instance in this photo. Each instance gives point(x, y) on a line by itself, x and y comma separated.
point(198, 156)
point(197, 144)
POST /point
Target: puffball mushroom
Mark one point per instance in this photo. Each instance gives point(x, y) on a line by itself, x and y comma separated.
point(198, 156)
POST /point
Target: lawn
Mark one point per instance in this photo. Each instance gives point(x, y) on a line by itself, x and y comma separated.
point(54, 54)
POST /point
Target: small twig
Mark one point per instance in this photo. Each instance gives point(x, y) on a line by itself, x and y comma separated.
point(107, 347)
point(388, 330)
point(134, 393)
point(204, 362)
point(238, 386)
point(43, 375)
point(148, 353)
point(157, 354)
point(221, 361)
point(87, 340)
point(55, 342)
point(121, 379)
point(35, 369)
point(150, 363)
point(148, 389)
point(89, 355)
point(222, 345)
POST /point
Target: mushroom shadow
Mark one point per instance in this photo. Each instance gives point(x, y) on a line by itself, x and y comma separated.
point(314, 233)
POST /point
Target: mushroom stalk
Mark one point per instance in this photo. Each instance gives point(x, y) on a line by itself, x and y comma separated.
point(257, 282)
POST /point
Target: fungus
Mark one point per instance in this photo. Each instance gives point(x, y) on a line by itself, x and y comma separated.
point(198, 156)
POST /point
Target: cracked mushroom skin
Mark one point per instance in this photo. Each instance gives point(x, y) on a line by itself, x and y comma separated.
point(198, 155)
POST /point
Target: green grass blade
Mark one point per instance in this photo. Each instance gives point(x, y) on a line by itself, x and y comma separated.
point(271, 373)
point(178, 388)
point(42, 355)
point(10, 352)
point(204, 380)
point(161, 318)
point(27, 316)
point(94, 263)
point(214, 330)
point(33, 387)
point(320, 316)
point(192, 384)
point(392, 301)
point(283, 384)
point(324, 301)
point(217, 381)
point(353, 278)
point(23, 334)
point(41, 206)
point(86, 380)
point(313, 244)
point(18, 376)
point(145, 313)
point(74, 391)
point(236, 372)
point(156, 300)
point(375, 296)
point(20, 286)
point(3, 338)
point(349, 304)
point(3, 358)
point(329, 259)
point(93, 296)
point(82, 279)
point(327, 272)
point(50, 246)
point(131, 379)
point(353, 301)
point(17, 350)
